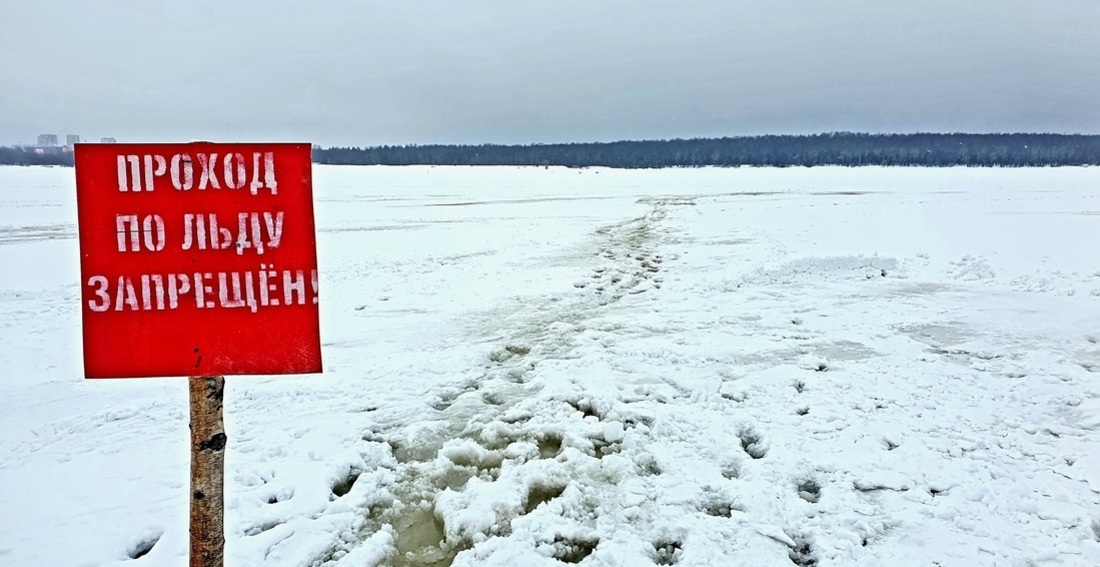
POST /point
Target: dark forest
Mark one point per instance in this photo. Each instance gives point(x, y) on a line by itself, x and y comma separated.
point(844, 149)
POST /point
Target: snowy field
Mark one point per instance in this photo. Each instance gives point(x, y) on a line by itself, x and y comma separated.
point(537, 367)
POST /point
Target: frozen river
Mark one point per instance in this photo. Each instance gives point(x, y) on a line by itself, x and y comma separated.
point(529, 366)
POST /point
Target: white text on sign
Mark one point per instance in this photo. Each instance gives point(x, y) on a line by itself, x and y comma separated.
point(265, 287)
point(201, 231)
point(232, 171)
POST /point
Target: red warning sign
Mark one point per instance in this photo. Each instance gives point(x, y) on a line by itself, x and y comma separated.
point(197, 259)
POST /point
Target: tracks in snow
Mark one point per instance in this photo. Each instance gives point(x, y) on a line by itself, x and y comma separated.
point(507, 444)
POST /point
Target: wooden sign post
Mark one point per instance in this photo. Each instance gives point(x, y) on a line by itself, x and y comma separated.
point(208, 442)
point(198, 260)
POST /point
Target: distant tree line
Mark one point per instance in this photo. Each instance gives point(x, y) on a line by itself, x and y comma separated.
point(840, 148)
point(20, 155)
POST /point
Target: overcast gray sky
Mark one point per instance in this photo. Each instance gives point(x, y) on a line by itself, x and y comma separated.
point(367, 73)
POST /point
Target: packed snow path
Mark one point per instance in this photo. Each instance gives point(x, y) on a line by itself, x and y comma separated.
point(544, 366)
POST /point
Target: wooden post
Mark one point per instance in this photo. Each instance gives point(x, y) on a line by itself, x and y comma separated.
point(207, 472)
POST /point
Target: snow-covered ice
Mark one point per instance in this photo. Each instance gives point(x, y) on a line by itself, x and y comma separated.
point(530, 366)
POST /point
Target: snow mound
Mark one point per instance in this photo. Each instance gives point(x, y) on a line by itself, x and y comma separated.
point(833, 268)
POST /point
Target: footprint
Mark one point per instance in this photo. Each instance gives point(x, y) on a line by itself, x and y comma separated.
point(343, 485)
point(549, 445)
point(752, 444)
point(144, 546)
point(602, 448)
point(261, 528)
point(809, 490)
point(802, 554)
point(509, 352)
point(494, 398)
point(518, 350)
point(719, 507)
point(667, 551)
point(421, 538)
point(648, 466)
point(540, 494)
point(282, 496)
point(574, 550)
point(585, 407)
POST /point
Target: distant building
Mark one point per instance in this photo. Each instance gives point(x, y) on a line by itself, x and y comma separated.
point(47, 140)
point(107, 140)
point(72, 139)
